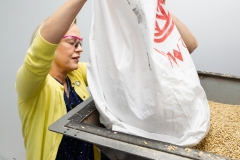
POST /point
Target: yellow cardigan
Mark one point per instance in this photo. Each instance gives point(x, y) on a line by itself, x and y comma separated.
point(41, 101)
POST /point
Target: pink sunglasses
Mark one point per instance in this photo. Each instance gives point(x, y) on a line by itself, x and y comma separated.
point(75, 37)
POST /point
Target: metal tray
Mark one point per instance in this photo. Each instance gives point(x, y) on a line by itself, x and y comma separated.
point(83, 123)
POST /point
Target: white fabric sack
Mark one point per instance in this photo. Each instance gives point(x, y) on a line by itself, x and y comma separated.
point(141, 75)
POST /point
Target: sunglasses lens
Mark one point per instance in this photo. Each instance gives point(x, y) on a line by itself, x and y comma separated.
point(77, 44)
point(73, 39)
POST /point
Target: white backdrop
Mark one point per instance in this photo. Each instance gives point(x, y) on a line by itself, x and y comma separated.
point(213, 22)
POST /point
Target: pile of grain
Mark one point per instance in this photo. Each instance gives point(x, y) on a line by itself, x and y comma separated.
point(224, 134)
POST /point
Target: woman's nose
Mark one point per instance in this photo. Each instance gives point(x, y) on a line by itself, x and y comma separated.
point(78, 47)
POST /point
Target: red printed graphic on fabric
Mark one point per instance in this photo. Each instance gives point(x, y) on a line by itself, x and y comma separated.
point(167, 24)
point(184, 45)
point(175, 55)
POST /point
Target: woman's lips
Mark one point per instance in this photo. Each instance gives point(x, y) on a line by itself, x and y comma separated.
point(76, 59)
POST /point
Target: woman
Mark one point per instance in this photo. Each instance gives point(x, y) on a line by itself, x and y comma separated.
point(51, 82)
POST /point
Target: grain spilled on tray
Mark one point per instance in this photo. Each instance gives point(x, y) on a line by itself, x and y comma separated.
point(224, 134)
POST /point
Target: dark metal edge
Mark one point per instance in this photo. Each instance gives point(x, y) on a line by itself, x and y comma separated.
point(221, 75)
point(68, 122)
point(77, 124)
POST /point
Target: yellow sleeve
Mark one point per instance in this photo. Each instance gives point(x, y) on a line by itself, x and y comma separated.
point(35, 68)
point(97, 154)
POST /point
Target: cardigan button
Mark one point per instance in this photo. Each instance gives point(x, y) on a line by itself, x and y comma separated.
point(84, 97)
point(77, 83)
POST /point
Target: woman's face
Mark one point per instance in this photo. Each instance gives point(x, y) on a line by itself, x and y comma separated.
point(68, 51)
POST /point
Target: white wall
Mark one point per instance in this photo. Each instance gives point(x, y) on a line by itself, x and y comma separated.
point(214, 23)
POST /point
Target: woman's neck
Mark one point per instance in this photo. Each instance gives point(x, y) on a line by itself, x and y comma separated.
point(59, 76)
